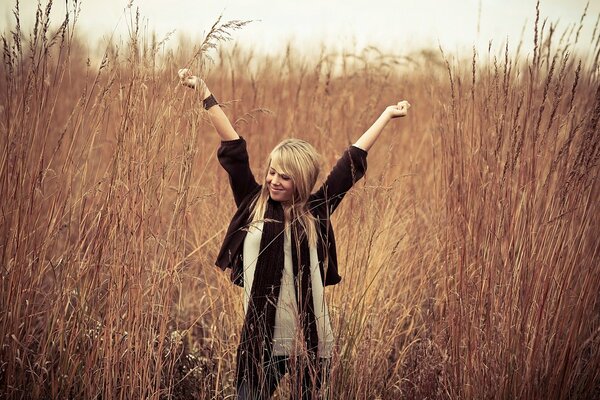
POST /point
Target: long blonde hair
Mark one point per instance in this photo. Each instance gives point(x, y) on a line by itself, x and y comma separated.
point(300, 161)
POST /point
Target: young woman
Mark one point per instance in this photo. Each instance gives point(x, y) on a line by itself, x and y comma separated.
point(280, 247)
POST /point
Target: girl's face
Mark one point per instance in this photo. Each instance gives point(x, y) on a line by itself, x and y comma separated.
point(281, 186)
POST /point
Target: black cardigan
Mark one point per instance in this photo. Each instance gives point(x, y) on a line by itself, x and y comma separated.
point(233, 156)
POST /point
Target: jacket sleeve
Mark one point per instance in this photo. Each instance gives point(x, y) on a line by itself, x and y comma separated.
point(346, 172)
point(233, 157)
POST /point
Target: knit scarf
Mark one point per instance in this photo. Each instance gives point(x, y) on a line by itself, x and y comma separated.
point(256, 343)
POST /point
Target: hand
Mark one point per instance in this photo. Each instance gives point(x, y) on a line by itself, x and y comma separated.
point(187, 79)
point(399, 110)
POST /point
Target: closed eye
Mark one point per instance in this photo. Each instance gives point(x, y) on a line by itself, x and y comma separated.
point(285, 177)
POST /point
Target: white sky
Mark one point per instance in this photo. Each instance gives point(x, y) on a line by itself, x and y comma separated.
point(398, 26)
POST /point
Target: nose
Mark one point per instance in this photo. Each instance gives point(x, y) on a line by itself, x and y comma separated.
point(275, 180)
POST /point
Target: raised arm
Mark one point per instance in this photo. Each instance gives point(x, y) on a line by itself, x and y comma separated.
point(352, 165)
point(232, 153)
point(216, 114)
point(370, 136)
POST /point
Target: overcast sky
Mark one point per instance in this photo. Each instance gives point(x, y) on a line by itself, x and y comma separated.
point(398, 26)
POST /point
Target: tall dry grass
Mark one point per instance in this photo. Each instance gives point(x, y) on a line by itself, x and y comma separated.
point(469, 252)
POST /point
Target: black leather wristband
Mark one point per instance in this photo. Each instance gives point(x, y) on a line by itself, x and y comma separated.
point(209, 102)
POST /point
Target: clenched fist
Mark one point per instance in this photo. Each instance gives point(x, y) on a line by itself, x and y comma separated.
point(187, 79)
point(399, 110)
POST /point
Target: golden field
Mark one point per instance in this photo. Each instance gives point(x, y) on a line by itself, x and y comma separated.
point(469, 253)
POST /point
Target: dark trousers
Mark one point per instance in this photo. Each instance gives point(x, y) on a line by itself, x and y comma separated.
point(305, 383)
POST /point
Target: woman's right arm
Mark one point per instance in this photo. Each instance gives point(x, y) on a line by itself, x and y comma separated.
point(222, 124)
point(216, 114)
point(232, 153)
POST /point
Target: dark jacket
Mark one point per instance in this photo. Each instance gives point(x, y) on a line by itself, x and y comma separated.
point(233, 156)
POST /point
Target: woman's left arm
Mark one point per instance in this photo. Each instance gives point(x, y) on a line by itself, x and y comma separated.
point(370, 136)
point(352, 165)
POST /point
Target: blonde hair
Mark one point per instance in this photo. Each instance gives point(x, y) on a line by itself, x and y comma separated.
point(300, 161)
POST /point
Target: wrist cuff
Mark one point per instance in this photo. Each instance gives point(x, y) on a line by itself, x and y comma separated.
point(209, 102)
